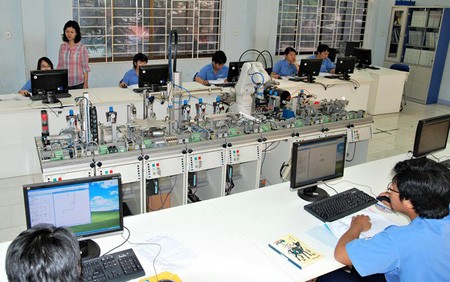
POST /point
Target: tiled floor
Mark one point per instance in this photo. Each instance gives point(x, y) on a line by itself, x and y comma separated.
point(393, 135)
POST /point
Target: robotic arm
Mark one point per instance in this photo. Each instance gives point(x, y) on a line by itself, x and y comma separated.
point(251, 81)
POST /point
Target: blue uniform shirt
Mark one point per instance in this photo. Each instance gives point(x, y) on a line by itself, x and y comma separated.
point(27, 86)
point(327, 64)
point(207, 73)
point(284, 68)
point(419, 251)
point(130, 77)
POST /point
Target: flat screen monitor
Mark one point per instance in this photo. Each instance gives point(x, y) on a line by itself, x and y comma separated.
point(345, 66)
point(90, 207)
point(349, 46)
point(363, 57)
point(43, 81)
point(234, 70)
point(431, 135)
point(153, 76)
point(315, 161)
point(309, 68)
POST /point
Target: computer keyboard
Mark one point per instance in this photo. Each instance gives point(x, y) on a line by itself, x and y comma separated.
point(446, 163)
point(332, 76)
point(120, 266)
point(225, 84)
point(57, 96)
point(340, 205)
point(372, 67)
point(296, 78)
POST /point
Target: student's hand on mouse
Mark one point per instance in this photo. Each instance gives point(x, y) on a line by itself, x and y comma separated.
point(123, 85)
point(361, 222)
point(24, 93)
point(205, 82)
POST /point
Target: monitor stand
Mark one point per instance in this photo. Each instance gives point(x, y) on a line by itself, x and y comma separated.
point(89, 249)
point(312, 194)
point(49, 98)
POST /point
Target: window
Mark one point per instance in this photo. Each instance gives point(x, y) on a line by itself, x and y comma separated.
point(115, 30)
point(303, 24)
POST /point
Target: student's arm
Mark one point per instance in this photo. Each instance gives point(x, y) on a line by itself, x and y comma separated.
point(86, 80)
point(275, 75)
point(201, 80)
point(360, 223)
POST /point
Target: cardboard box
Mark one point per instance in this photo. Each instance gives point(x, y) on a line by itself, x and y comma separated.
point(158, 202)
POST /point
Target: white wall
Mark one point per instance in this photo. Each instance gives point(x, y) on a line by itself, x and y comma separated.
point(36, 27)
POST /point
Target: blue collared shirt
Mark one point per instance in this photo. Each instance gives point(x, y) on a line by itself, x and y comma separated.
point(207, 73)
point(284, 68)
point(27, 86)
point(327, 64)
point(130, 77)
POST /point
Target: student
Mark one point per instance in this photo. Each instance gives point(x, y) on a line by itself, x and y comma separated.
point(44, 253)
point(288, 66)
point(322, 53)
point(419, 251)
point(131, 77)
point(43, 63)
point(74, 56)
point(215, 70)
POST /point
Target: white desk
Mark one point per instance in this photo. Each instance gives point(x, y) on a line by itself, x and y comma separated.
point(229, 235)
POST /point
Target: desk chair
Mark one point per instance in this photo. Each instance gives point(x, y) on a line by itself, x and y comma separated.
point(195, 75)
point(405, 68)
point(332, 54)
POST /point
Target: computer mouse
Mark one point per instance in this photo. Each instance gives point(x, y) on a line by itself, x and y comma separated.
point(383, 198)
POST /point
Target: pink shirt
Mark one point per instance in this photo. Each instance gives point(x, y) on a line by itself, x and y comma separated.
point(75, 60)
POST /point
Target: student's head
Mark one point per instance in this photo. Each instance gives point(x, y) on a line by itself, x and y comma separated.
point(322, 51)
point(290, 54)
point(219, 59)
point(425, 184)
point(71, 31)
point(44, 253)
point(139, 60)
point(44, 63)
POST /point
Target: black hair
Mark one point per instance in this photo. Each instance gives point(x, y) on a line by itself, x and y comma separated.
point(426, 184)
point(322, 48)
point(219, 57)
point(139, 57)
point(74, 25)
point(45, 59)
point(44, 253)
point(289, 50)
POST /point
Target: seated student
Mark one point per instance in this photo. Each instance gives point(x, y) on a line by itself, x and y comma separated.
point(322, 53)
point(44, 63)
point(419, 251)
point(288, 66)
point(215, 70)
point(44, 253)
point(131, 77)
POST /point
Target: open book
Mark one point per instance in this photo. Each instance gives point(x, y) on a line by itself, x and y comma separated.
point(297, 252)
point(379, 223)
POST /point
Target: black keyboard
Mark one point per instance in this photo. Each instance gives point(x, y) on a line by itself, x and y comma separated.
point(225, 84)
point(332, 76)
point(340, 205)
point(297, 78)
point(57, 96)
point(372, 67)
point(120, 266)
point(446, 163)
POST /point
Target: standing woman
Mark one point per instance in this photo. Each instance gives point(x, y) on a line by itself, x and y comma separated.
point(74, 57)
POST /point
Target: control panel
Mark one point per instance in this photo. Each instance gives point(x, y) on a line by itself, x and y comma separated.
point(243, 154)
point(206, 160)
point(164, 167)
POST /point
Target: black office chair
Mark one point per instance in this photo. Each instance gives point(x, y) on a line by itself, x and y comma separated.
point(332, 54)
point(195, 75)
point(405, 68)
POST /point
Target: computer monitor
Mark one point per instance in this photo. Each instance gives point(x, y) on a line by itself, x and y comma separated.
point(43, 81)
point(309, 68)
point(234, 70)
point(153, 76)
point(363, 57)
point(349, 46)
point(90, 207)
point(315, 161)
point(431, 135)
point(345, 66)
